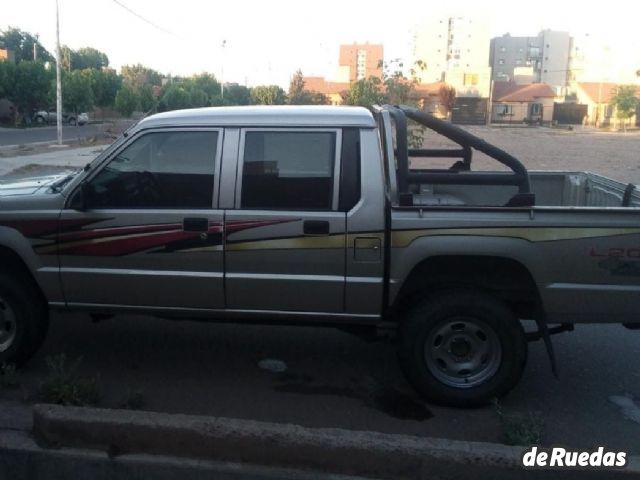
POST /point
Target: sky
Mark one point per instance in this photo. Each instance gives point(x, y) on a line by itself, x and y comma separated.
point(267, 41)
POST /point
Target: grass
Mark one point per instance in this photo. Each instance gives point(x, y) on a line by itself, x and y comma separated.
point(64, 385)
point(9, 377)
point(522, 429)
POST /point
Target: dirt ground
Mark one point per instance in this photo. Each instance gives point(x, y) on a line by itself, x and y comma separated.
point(612, 154)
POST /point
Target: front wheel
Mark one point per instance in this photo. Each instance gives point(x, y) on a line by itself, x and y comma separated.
point(23, 320)
point(462, 348)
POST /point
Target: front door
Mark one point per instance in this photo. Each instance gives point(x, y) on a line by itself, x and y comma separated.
point(150, 234)
point(285, 238)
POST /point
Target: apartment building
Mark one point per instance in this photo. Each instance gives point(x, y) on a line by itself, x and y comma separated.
point(358, 61)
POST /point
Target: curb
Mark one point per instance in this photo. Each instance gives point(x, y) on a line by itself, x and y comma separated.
point(289, 446)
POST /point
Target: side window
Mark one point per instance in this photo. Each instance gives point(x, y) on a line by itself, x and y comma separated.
point(288, 170)
point(159, 170)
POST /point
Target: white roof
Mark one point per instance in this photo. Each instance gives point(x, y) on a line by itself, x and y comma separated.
point(263, 116)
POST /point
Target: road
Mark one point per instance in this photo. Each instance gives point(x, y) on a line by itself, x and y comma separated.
point(25, 136)
point(335, 380)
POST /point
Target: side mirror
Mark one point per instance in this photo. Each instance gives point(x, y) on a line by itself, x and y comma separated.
point(80, 199)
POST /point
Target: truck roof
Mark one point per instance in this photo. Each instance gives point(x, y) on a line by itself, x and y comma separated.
point(263, 116)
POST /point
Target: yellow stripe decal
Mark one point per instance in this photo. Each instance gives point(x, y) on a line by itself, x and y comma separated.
point(401, 239)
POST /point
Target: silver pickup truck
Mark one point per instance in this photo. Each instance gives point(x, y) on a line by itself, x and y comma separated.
point(317, 216)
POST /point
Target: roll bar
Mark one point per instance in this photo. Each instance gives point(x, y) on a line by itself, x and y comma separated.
point(460, 174)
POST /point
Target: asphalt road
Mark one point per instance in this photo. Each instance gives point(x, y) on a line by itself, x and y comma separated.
point(25, 136)
point(335, 380)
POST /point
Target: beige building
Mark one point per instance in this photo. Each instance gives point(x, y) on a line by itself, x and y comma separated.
point(455, 50)
point(513, 103)
point(597, 96)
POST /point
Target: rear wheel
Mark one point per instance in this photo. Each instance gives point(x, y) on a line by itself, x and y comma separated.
point(23, 320)
point(462, 348)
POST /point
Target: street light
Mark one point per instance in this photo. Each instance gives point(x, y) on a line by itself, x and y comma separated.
point(58, 84)
point(224, 43)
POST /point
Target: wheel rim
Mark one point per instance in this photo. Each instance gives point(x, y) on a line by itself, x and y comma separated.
point(462, 352)
point(7, 325)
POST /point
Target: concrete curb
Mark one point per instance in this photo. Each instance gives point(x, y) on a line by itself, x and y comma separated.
point(291, 446)
point(21, 458)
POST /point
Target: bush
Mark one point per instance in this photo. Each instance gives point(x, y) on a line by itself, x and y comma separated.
point(64, 385)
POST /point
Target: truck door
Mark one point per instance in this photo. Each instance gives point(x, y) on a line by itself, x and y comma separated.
point(149, 233)
point(285, 236)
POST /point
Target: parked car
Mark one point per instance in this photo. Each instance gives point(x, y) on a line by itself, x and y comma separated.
point(313, 216)
point(50, 116)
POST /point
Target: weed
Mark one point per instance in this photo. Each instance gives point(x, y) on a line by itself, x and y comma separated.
point(9, 377)
point(520, 428)
point(64, 385)
point(134, 400)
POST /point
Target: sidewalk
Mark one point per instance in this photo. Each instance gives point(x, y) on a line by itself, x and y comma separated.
point(51, 161)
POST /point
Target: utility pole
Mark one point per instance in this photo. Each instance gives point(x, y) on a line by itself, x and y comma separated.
point(58, 84)
point(224, 43)
point(35, 48)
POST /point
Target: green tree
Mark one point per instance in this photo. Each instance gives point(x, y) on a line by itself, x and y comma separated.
point(77, 91)
point(235, 94)
point(176, 97)
point(146, 98)
point(207, 83)
point(268, 95)
point(365, 92)
point(21, 44)
point(7, 79)
point(625, 103)
point(105, 84)
point(89, 57)
point(126, 101)
point(198, 98)
point(31, 87)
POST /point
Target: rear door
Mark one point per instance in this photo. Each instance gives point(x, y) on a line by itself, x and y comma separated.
point(285, 238)
point(150, 234)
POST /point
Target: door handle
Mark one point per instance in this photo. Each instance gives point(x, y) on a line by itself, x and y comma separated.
point(195, 225)
point(315, 227)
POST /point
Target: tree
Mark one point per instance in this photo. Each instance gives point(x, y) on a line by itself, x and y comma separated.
point(146, 98)
point(298, 95)
point(77, 94)
point(89, 57)
point(235, 94)
point(31, 87)
point(136, 75)
point(447, 97)
point(365, 92)
point(126, 101)
point(7, 79)
point(268, 95)
point(21, 44)
point(207, 83)
point(105, 84)
point(176, 97)
point(625, 103)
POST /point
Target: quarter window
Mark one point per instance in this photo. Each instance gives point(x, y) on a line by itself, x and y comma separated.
point(159, 170)
point(288, 170)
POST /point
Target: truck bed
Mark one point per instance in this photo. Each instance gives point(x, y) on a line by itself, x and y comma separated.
point(551, 188)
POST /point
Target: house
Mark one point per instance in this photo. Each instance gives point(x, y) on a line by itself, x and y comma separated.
point(598, 96)
point(513, 103)
point(334, 91)
point(430, 99)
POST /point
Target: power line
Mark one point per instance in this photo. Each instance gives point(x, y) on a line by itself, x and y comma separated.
point(154, 25)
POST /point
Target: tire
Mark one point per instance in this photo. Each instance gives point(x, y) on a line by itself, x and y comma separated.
point(461, 348)
point(40, 120)
point(24, 320)
point(72, 121)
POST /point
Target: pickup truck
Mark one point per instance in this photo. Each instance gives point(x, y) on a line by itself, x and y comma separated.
point(317, 216)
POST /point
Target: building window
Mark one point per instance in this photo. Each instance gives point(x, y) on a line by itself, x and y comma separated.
point(470, 79)
point(361, 62)
point(501, 61)
point(503, 49)
point(504, 110)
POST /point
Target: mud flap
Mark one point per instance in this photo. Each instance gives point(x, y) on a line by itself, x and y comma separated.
point(546, 337)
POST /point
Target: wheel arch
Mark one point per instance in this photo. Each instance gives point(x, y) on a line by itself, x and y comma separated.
point(505, 278)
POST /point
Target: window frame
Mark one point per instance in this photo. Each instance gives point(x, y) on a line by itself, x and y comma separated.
point(337, 160)
point(137, 136)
